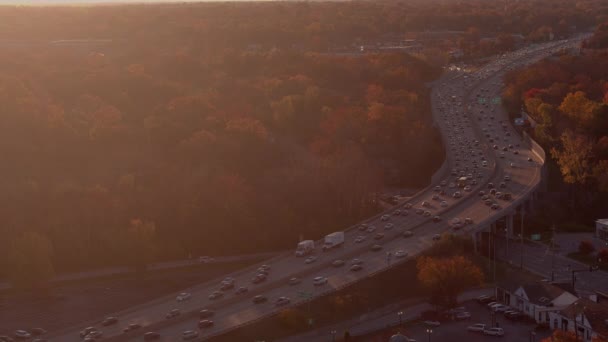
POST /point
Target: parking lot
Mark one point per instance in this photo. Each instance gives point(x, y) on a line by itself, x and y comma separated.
point(456, 331)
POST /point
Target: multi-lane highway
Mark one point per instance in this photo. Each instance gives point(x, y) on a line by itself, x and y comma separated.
point(481, 146)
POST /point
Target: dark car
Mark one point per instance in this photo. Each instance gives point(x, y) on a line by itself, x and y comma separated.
point(259, 299)
point(204, 324)
point(151, 336)
point(205, 313)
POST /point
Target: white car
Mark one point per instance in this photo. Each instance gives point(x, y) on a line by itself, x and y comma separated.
point(183, 296)
point(205, 259)
point(443, 204)
point(494, 332)
point(281, 301)
point(385, 217)
point(400, 254)
point(22, 334)
point(389, 226)
point(318, 281)
point(371, 229)
point(479, 327)
point(189, 335)
point(360, 239)
point(310, 259)
point(356, 262)
point(463, 315)
point(500, 308)
point(294, 281)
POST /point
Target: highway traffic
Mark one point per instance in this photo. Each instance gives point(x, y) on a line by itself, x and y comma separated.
point(488, 167)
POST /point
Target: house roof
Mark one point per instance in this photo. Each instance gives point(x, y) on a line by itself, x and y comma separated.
point(596, 314)
point(602, 221)
point(542, 293)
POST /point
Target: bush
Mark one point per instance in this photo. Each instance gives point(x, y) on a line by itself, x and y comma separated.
point(586, 247)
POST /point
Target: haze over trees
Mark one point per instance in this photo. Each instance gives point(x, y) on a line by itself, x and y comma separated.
point(138, 133)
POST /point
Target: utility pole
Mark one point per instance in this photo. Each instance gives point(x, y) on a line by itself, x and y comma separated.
point(521, 265)
point(553, 252)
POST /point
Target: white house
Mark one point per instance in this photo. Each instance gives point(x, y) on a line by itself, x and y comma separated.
point(601, 229)
point(585, 317)
point(536, 300)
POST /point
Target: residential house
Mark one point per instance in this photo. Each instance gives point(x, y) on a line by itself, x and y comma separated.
point(601, 229)
point(536, 300)
point(585, 317)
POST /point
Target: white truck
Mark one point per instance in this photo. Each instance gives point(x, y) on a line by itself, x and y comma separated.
point(333, 240)
point(305, 247)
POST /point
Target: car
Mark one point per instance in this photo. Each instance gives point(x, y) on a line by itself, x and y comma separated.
point(259, 299)
point(495, 206)
point(226, 286)
point(189, 335)
point(385, 218)
point(427, 213)
point(183, 296)
point(419, 211)
point(109, 321)
point(376, 248)
point(457, 194)
point(84, 332)
point(318, 281)
point(360, 239)
point(131, 327)
point(389, 226)
point(404, 212)
point(356, 262)
point(338, 263)
point(216, 294)
point(443, 204)
point(529, 159)
point(258, 278)
point(463, 315)
point(432, 323)
point(478, 327)
point(436, 237)
point(481, 193)
point(468, 220)
point(355, 268)
point(484, 299)
point(426, 204)
point(407, 206)
point(371, 229)
point(492, 304)
point(363, 227)
point(500, 308)
point(205, 259)
point(436, 218)
point(310, 260)
point(151, 336)
point(22, 334)
point(205, 324)
point(241, 290)
point(173, 313)
point(206, 313)
point(467, 188)
point(400, 254)
point(494, 332)
point(378, 236)
point(94, 335)
point(4, 338)
point(38, 331)
point(513, 315)
point(282, 301)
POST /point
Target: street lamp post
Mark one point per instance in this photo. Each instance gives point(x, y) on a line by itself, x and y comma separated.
point(333, 335)
point(429, 332)
point(400, 314)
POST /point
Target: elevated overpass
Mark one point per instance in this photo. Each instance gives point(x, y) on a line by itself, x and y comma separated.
point(468, 115)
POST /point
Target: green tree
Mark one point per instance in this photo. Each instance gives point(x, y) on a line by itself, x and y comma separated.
point(30, 264)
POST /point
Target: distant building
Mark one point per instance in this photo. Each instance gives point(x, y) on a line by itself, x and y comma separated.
point(601, 229)
point(585, 317)
point(536, 300)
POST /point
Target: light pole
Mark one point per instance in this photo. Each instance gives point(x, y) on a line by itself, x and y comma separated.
point(400, 314)
point(333, 335)
point(429, 332)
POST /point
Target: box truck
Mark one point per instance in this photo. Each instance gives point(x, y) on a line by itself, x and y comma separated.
point(305, 247)
point(333, 240)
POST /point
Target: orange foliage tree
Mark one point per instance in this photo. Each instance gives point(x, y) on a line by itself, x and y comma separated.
point(446, 278)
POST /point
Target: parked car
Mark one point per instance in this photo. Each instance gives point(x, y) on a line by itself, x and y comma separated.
point(463, 315)
point(478, 327)
point(494, 332)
